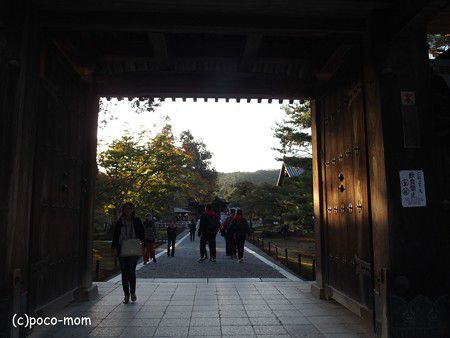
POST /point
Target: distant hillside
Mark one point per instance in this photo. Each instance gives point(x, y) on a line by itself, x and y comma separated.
point(226, 180)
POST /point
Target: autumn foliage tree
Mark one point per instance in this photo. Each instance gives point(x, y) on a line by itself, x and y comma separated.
point(155, 173)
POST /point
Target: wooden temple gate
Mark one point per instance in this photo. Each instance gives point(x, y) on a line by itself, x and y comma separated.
point(363, 65)
point(345, 174)
point(60, 183)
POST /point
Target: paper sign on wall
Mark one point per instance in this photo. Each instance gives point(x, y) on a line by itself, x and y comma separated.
point(412, 185)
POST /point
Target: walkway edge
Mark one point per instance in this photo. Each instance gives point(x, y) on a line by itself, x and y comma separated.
point(285, 273)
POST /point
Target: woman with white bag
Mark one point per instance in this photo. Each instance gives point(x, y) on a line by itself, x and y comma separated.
point(128, 245)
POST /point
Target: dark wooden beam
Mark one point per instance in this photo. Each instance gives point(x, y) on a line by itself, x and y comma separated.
point(333, 63)
point(126, 58)
point(279, 60)
point(158, 41)
point(171, 84)
point(251, 51)
point(280, 8)
point(82, 64)
point(201, 24)
point(440, 24)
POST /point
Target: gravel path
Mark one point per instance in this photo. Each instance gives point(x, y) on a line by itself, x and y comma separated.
point(185, 265)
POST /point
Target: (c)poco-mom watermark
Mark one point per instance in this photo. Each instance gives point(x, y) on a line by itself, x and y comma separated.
point(30, 321)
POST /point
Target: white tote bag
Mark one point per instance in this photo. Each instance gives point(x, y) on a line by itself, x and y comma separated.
point(131, 247)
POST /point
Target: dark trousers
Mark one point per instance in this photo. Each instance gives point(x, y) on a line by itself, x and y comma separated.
point(240, 242)
point(171, 243)
point(211, 239)
point(192, 233)
point(230, 245)
point(128, 269)
point(227, 245)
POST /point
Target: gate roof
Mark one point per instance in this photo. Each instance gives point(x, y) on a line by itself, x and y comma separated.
point(213, 49)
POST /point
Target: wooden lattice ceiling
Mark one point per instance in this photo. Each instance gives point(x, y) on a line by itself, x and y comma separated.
point(198, 48)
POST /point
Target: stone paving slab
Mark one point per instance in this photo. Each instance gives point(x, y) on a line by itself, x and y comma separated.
point(252, 299)
point(159, 312)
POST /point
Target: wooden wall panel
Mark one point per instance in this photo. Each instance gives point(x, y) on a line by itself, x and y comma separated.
point(56, 228)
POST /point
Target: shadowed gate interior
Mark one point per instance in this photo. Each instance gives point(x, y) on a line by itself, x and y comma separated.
point(59, 182)
point(352, 59)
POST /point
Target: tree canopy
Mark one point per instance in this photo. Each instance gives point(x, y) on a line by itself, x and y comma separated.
point(155, 173)
point(291, 204)
point(202, 178)
point(294, 131)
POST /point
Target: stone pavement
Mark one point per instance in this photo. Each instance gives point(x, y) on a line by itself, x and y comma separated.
point(208, 307)
point(185, 265)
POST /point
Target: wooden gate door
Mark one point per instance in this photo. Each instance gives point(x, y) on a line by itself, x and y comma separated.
point(57, 191)
point(348, 232)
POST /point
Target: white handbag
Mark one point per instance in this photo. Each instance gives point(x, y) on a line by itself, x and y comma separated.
point(131, 247)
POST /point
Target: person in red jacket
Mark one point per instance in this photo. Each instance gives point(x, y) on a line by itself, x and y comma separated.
point(207, 231)
point(240, 229)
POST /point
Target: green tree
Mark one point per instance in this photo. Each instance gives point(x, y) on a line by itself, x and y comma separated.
point(148, 173)
point(108, 107)
point(295, 199)
point(203, 176)
point(438, 43)
point(295, 196)
point(294, 131)
point(257, 200)
point(289, 204)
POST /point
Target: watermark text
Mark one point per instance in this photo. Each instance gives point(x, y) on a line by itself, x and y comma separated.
point(30, 321)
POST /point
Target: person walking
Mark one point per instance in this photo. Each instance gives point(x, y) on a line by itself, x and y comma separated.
point(171, 238)
point(230, 245)
point(240, 229)
point(150, 238)
point(128, 244)
point(198, 227)
point(192, 228)
point(207, 231)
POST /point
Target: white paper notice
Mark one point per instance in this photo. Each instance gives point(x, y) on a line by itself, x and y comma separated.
point(412, 185)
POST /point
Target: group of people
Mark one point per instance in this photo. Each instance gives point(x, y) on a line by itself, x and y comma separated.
point(234, 229)
point(132, 238)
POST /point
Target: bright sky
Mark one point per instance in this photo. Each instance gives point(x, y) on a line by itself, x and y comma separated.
point(240, 135)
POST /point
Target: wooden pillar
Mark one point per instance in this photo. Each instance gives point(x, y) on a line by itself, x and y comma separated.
point(18, 93)
point(318, 288)
point(90, 121)
point(410, 263)
point(378, 190)
point(9, 74)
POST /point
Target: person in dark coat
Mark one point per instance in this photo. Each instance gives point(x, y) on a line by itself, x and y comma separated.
point(128, 226)
point(230, 244)
point(172, 230)
point(207, 231)
point(239, 227)
point(192, 228)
